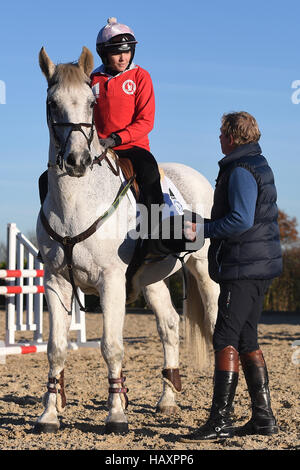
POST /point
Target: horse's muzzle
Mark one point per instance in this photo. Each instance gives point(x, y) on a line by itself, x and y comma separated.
point(76, 164)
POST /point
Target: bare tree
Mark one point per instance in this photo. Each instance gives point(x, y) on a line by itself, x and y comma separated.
point(31, 235)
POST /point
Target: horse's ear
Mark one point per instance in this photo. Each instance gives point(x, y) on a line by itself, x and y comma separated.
point(46, 64)
point(86, 61)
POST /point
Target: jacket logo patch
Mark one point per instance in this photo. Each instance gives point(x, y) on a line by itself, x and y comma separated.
point(129, 87)
point(95, 89)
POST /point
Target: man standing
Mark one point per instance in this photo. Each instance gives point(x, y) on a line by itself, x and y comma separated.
point(244, 256)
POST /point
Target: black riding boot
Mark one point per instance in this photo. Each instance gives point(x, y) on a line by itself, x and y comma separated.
point(256, 375)
point(43, 186)
point(43, 190)
point(219, 424)
point(152, 195)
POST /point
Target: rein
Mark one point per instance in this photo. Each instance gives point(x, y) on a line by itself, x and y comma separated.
point(68, 243)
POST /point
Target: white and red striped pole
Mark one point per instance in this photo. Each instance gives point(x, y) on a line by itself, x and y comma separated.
point(22, 349)
point(9, 273)
point(35, 348)
point(6, 290)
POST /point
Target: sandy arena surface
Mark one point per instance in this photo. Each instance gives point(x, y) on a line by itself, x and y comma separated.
point(23, 382)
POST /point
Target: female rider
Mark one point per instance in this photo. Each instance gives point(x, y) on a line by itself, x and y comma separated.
point(125, 107)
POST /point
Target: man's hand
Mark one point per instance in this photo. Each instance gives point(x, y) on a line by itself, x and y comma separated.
point(190, 230)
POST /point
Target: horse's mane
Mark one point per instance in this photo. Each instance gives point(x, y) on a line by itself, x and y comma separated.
point(68, 75)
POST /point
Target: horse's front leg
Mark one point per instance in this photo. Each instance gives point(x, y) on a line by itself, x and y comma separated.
point(159, 300)
point(113, 297)
point(59, 299)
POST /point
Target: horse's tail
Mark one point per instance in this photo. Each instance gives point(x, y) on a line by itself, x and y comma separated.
point(198, 335)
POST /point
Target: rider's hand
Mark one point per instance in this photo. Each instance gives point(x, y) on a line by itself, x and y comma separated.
point(112, 141)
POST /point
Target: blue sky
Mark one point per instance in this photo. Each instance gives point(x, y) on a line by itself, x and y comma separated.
point(205, 58)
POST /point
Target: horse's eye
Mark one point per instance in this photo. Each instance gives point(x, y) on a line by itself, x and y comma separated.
point(92, 104)
point(53, 105)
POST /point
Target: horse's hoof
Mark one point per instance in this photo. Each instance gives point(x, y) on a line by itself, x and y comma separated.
point(116, 428)
point(167, 410)
point(46, 428)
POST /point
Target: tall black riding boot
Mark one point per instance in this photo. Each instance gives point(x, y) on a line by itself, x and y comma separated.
point(43, 190)
point(219, 424)
point(152, 195)
point(43, 186)
point(256, 375)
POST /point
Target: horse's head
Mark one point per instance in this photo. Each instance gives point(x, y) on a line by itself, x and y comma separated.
point(70, 103)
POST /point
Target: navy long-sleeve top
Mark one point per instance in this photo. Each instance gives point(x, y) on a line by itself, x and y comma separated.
point(242, 196)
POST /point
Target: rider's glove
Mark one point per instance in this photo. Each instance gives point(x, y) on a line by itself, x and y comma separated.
point(114, 140)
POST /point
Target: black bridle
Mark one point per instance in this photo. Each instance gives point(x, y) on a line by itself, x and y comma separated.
point(61, 147)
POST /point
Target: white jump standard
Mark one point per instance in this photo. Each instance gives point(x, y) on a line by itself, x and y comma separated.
point(26, 300)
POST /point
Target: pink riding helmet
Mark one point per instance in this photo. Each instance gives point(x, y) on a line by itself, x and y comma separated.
point(112, 29)
point(115, 38)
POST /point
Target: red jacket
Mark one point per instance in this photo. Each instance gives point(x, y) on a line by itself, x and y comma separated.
point(125, 105)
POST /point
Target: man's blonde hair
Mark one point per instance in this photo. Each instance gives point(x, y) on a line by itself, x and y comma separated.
point(242, 126)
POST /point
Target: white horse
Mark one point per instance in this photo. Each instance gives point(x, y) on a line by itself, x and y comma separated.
point(78, 195)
